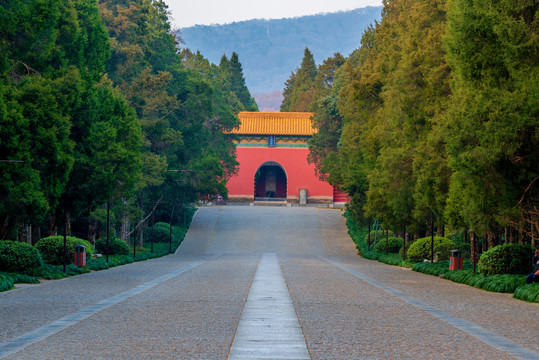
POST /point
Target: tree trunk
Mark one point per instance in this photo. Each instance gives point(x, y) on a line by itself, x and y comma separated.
point(68, 223)
point(124, 228)
point(36, 234)
point(93, 227)
point(20, 232)
point(404, 242)
point(440, 231)
point(473, 249)
point(28, 234)
point(52, 225)
point(140, 235)
point(492, 238)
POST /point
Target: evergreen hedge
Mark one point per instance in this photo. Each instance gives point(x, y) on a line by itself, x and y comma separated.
point(421, 249)
point(393, 245)
point(506, 259)
point(161, 232)
point(16, 256)
point(116, 247)
point(52, 249)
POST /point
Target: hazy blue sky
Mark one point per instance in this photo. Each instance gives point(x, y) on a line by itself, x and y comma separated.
point(204, 12)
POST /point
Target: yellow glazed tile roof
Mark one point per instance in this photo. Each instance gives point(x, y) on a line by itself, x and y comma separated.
point(275, 123)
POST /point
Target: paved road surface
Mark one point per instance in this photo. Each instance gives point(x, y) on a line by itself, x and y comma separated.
point(264, 283)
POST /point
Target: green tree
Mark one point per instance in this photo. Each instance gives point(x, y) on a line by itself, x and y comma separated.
point(326, 119)
point(493, 119)
point(55, 52)
point(301, 83)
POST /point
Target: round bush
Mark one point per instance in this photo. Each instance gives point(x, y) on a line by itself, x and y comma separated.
point(116, 247)
point(52, 249)
point(16, 256)
point(420, 249)
point(161, 232)
point(506, 259)
point(378, 234)
point(393, 245)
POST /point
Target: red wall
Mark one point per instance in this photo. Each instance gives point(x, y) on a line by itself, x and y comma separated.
point(300, 174)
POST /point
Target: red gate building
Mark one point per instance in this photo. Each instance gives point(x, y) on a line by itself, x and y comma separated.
point(272, 153)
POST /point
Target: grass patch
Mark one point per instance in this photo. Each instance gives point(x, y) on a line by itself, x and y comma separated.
point(528, 292)
point(437, 268)
point(6, 282)
point(502, 283)
point(396, 260)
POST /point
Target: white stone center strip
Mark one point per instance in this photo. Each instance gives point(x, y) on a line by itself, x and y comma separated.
point(269, 327)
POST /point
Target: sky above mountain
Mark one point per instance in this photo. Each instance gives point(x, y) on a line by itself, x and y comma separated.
point(206, 12)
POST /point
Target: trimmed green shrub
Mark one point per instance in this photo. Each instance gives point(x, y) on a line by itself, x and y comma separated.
point(16, 256)
point(506, 259)
point(421, 249)
point(161, 233)
point(116, 247)
point(52, 249)
point(393, 245)
point(378, 235)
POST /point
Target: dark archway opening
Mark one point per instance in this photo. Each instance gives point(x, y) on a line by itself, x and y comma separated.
point(270, 182)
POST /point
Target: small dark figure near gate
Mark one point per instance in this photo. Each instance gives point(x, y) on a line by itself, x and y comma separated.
point(534, 276)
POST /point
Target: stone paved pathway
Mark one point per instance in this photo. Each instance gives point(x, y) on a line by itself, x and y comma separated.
point(242, 271)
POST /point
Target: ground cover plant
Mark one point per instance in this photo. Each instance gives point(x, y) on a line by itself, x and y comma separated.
point(529, 292)
point(502, 283)
point(360, 237)
point(52, 272)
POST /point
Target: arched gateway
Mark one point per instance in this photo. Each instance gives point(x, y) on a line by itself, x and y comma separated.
point(272, 152)
point(270, 181)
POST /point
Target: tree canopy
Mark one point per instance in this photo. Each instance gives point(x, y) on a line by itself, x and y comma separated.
point(98, 104)
point(435, 116)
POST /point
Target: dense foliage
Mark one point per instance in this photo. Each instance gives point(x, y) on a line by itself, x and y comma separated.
point(507, 259)
point(98, 105)
point(18, 257)
point(420, 249)
point(161, 232)
point(116, 247)
point(52, 249)
point(432, 124)
point(391, 244)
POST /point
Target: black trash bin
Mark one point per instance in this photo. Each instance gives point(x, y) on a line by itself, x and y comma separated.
point(80, 255)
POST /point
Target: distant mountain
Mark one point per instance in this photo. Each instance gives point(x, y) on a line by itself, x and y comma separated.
point(270, 50)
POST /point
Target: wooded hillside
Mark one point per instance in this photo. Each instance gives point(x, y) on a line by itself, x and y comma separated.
point(270, 49)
